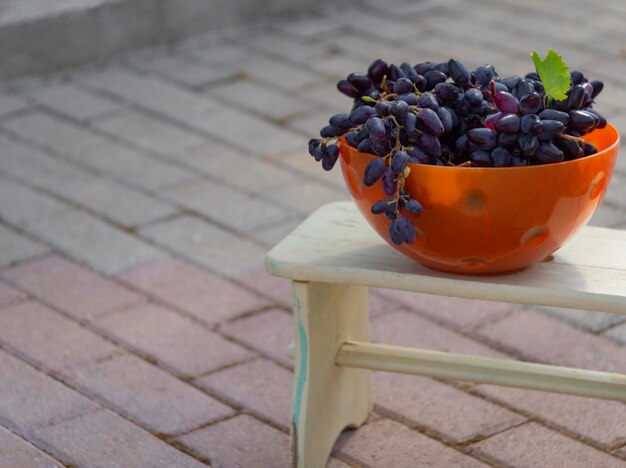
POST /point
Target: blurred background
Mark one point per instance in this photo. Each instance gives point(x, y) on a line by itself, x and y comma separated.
point(151, 151)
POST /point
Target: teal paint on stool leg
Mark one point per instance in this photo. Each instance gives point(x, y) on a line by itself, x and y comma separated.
point(303, 364)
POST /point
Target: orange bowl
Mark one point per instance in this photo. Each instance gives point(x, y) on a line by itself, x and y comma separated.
point(490, 220)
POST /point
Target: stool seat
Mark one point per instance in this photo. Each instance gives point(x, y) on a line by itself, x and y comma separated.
point(335, 244)
point(334, 256)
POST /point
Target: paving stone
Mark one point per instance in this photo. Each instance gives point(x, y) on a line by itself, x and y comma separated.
point(102, 438)
point(385, 443)
point(617, 333)
point(183, 286)
point(31, 399)
point(544, 339)
point(173, 341)
point(311, 122)
point(73, 101)
point(267, 69)
point(325, 94)
point(147, 395)
point(268, 332)
point(312, 28)
point(71, 288)
point(452, 311)
point(259, 386)
point(302, 163)
point(307, 196)
point(616, 192)
point(49, 340)
point(208, 245)
point(215, 52)
point(407, 329)
point(100, 245)
point(15, 247)
point(148, 133)
point(288, 46)
point(10, 104)
point(9, 294)
point(586, 319)
point(182, 69)
point(451, 413)
point(269, 236)
point(338, 66)
point(20, 205)
point(117, 202)
point(600, 421)
point(96, 152)
point(534, 445)
point(240, 442)
point(16, 452)
point(227, 206)
point(249, 173)
point(260, 99)
point(277, 289)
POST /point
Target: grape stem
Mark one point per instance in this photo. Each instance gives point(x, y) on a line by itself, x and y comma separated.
point(570, 137)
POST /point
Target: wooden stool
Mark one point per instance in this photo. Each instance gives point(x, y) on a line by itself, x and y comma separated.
point(334, 256)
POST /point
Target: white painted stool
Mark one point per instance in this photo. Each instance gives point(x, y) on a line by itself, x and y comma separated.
point(334, 256)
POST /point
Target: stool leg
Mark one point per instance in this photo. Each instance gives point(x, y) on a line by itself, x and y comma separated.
point(327, 398)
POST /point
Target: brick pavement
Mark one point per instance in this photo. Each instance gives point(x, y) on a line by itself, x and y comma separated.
point(138, 197)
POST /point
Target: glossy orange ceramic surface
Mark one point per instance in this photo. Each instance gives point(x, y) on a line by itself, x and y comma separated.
point(489, 220)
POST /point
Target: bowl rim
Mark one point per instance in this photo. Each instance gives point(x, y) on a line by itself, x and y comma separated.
point(536, 167)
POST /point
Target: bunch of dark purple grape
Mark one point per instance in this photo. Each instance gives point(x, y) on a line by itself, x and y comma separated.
point(443, 114)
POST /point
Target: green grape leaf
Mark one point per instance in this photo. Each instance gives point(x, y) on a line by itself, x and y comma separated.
point(553, 73)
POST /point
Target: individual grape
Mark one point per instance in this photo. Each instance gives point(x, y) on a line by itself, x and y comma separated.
point(474, 97)
point(511, 81)
point(398, 161)
point(360, 115)
point(399, 109)
point(551, 114)
point(408, 71)
point(445, 115)
point(501, 157)
point(417, 155)
point(434, 77)
point(360, 82)
point(577, 77)
point(346, 88)
point(570, 148)
point(507, 139)
point(376, 127)
point(551, 128)
point(598, 86)
point(484, 74)
point(410, 123)
point(501, 87)
point(382, 108)
point(506, 102)
point(443, 68)
point(374, 171)
point(589, 149)
point(389, 181)
point(429, 120)
point(530, 103)
point(539, 88)
point(383, 206)
point(379, 145)
point(459, 74)
point(362, 133)
point(401, 230)
point(313, 144)
point(518, 161)
point(340, 121)
point(395, 72)
point(364, 147)
point(484, 138)
point(548, 153)
point(319, 152)
point(352, 139)
point(428, 100)
point(530, 123)
point(601, 119)
point(532, 76)
point(523, 88)
point(409, 98)
point(528, 144)
point(377, 70)
point(430, 144)
point(580, 120)
point(403, 85)
point(447, 91)
point(330, 158)
point(422, 68)
point(413, 206)
point(577, 97)
point(481, 159)
point(509, 123)
point(330, 131)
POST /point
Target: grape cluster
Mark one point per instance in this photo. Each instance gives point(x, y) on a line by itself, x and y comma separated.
point(443, 114)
